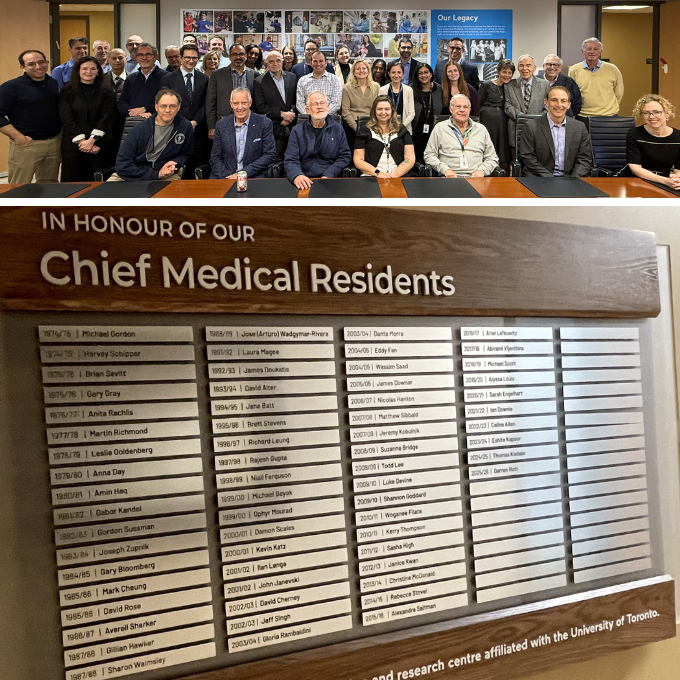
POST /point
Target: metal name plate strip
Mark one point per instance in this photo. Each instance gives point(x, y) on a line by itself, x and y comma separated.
point(140, 567)
point(100, 433)
point(612, 570)
point(186, 617)
point(268, 352)
point(408, 448)
point(495, 578)
point(104, 353)
point(497, 470)
point(518, 423)
point(604, 445)
point(596, 460)
point(270, 388)
point(448, 476)
point(401, 382)
point(518, 378)
point(521, 588)
point(416, 511)
point(576, 433)
point(299, 632)
point(412, 561)
point(386, 367)
point(410, 545)
point(594, 333)
point(290, 598)
point(139, 527)
point(404, 349)
point(415, 609)
point(62, 476)
point(274, 405)
point(281, 511)
point(181, 579)
point(115, 334)
point(600, 347)
point(609, 515)
point(595, 559)
point(282, 529)
point(136, 606)
point(517, 498)
point(276, 494)
point(531, 526)
point(419, 592)
point(579, 393)
point(555, 552)
point(449, 491)
point(601, 361)
point(510, 408)
point(613, 472)
point(119, 393)
point(135, 548)
point(403, 529)
point(276, 369)
point(117, 373)
point(235, 480)
point(602, 404)
point(106, 453)
point(409, 464)
point(276, 441)
point(506, 332)
point(402, 399)
point(509, 393)
point(597, 502)
point(276, 422)
point(440, 572)
point(277, 565)
point(403, 431)
point(511, 515)
point(609, 529)
point(514, 439)
point(239, 461)
point(601, 488)
point(614, 542)
point(128, 509)
point(579, 419)
point(403, 415)
point(391, 333)
point(239, 552)
point(505, 348)
point(267, 584)
point(505, 364)
point(604, 375)
point(105, 413)
point(512, 454)
point(109, 492)
point(269, 333)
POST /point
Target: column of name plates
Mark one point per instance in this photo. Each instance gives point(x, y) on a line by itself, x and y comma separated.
point(274, 412)
point(605, 451)
point(513, 457)
point(405, 467)
point(129, 505)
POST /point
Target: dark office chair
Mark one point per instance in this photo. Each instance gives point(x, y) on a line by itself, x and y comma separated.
point(608, 138)
point(516, 166)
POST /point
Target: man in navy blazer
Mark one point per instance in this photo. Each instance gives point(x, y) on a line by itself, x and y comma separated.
point(243, 141)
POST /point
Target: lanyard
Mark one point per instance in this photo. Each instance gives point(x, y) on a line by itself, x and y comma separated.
point(386, 144)
point(462, 138)
point(396, 99)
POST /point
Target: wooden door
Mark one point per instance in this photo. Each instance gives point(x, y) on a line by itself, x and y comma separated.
point(69, 27)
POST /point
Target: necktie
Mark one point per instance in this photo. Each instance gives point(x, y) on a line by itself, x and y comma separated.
point(190, 90)
point(118, 81)
point(527, 96)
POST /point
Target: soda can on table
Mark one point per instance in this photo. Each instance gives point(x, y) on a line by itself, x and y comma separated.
point(241, 181)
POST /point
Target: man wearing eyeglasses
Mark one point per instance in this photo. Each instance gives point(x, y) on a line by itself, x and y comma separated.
point(132, 45)
point(29, 116)
point(552, 67)
point(304, 68)
point(139, 90)
point(457, 53)
point(192, 86)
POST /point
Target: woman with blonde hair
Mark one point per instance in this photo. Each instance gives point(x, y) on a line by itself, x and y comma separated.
point(358, 96)
point(453, 82)
point(401, 94)
point(653, 148)
point(384, 147)
point(210, 62)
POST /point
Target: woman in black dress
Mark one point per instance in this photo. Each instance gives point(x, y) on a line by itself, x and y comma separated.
point(653, 148)
point(87, 111)
point(492, 110)
point(427, 97)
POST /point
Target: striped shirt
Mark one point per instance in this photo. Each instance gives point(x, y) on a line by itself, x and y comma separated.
point(328, 83)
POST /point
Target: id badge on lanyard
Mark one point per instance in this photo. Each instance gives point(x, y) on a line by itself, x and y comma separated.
point(426, 128)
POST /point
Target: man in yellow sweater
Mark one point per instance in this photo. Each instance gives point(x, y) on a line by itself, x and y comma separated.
point(600, 82)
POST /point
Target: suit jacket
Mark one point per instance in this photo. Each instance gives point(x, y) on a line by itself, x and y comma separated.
point(81, 116)
point(412, 74)
point(194, 110)
point(470, 72)
point(267, 100)
point(514, 102)
point(109, 83)
point(217, 98)
point(537, 149)
point(260, 148)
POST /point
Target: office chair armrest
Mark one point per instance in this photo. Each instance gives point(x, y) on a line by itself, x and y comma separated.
point(498, 172)
point(516, 169)
point(350, 171)
point(202, 171)
point(103, 175)
point(601, 172)
point(275, 170)
point(423, 169)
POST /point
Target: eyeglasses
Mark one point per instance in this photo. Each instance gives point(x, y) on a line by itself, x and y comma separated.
point(167, 107)
point(133, 44)
point(145, 54)
point(551, 65)
point(652, 114)
point(455, 48)
point(190, 58)
point(32, 64)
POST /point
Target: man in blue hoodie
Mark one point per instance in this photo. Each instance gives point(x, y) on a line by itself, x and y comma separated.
point(157, 147)
point(316, 148)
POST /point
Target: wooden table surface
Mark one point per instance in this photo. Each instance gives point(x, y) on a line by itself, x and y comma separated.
point(488, 187)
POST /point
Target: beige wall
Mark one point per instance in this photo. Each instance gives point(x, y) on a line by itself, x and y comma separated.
point(14, 42)
point(627, 42)
point(669, 83)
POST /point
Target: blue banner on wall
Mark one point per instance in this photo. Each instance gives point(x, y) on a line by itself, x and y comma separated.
point(487, 35)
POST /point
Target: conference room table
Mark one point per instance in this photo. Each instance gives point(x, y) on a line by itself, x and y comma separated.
point(487, 187)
